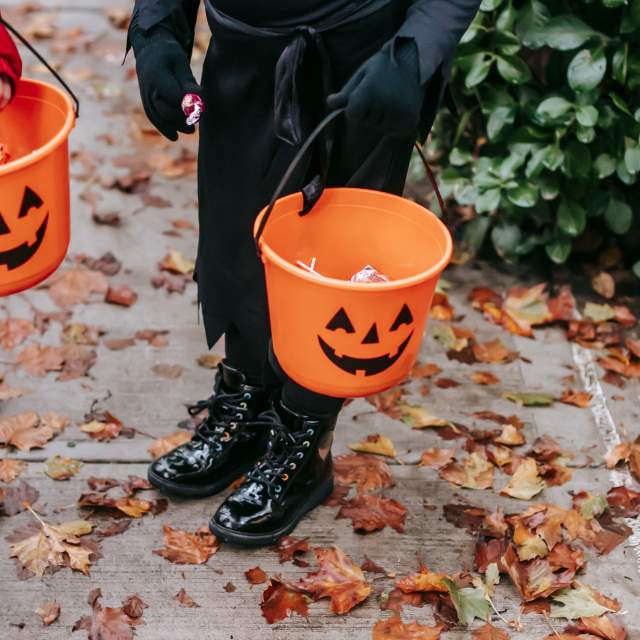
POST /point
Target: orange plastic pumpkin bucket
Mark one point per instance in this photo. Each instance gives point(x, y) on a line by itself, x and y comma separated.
point(333, 336)
point(34, 185)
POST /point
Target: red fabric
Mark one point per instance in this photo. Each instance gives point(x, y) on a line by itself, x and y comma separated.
point(10, 62)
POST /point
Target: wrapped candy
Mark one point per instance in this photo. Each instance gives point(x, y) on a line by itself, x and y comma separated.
point(5, 156)
point(369, 274)
point(192, 107)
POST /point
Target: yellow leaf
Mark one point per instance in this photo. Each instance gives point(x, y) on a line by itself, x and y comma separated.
point(380, 445)
point(526, 481)
point(419, 418)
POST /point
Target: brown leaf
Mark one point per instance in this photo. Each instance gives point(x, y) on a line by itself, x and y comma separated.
point(365, 471)
point(475, 472)
point(435, 458)
point(623, 502)
point(255, 575)
point(387, 401)
point(121, 295)
point(229, 587)
point(604, 284)
point(163, 445)
point(510, 436)
point(370, 566)
point(14, 499)
point(60, 468)
point(73, 286)
point(493, 352)
point(210, 360)
point(24, 431)
point(424, 581)
point(425, 370)
point(170, 371)
point(175, 262)
point(500, 419)
point(484, 378)
point(376, 444)
point(279, 601)
point(288, 547)
point(338, 578)
point(11, 469)
point(395, 629)
point(102, 430)
point(49, 612)
point(185, 599)
point(526, 481)
point(14, 331)
point(580, 399)
point(108, 623)
point(117, 344)
point(373, 513)
point(182, 547)
point(446, 383)
point(489, 632)
point(603, 627)
point(37, 359)
point(134, 606)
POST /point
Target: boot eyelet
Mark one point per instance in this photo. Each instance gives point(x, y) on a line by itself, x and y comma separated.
point(239, 416)
point(285, 477)
point(292, 465)
point(310, 432)
point(233, 426)
point(306, 443)
point(272, 432)
point(277, 489)
point(247, 396)
point(243, 405)
point(226, 436)
point(299, 455)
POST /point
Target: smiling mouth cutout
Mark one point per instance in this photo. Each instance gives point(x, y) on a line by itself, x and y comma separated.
point(370, 366)
point(21, 254)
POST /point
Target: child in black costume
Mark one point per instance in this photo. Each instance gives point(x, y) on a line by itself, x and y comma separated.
point(272, 71)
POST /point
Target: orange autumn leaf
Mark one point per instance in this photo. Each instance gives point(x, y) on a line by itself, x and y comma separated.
point(580, 399)
point(14, 331)
point(395, 629)
point(163, 445)
point(441, 309)
point(525, 482)
point(338, 578)
point(373, 513)
point(255, 575)
point(376, 444)
point(489, 632)
point(435, 458)
point(484, 378)
point(279, 601)
point(510, 436)
point(73, 286)
point(493, 352)
point(475, 472)
point(425, 370)
point(182, 547)
point(528, 306)
point(289, 546)
point(423, 581)
point(603, 626)
point(49, 612)
point(25, 431)
point(365, 471)
point(11, 469)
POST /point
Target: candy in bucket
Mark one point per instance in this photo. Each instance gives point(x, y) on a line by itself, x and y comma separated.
point(366, 274)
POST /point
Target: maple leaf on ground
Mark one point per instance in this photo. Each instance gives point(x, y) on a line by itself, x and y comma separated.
point(484, 378)
point(14, 331)
point(493, 352)
point(499, 419)
point(395, 629)
point(470, 602)
point(132, 507)
point(13, 500)
point(108, 428)
point(24, 431)
point(605, 626)
point(474, 472)
point(376, 444)
point(589, 505)
point(527, 307)
point(175, 262)
point(581, 601)
point(489, 632)
point(182, 547)
point(288, 547)
point(423, 581)
point(628, 452)
point(38, 360)
point(526, 481)
point(418, 417)
point(441, 309)
point(59, 468)
point(622, 501)
point(108, 623)
point(338, 578)
point(396, 600)
point(373, 512)
point(255, 575)
point(53, 546)
point(185, 599)
point(365, 471)
point(49, 612)
point(510, 436)
point(580, 399)
point(426, 370)
point(163, 445)
point(11, 469)
point(436, 458)
point(73, 286)
point(279, 601)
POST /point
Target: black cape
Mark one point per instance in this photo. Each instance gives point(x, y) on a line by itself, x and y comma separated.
point(264, 90)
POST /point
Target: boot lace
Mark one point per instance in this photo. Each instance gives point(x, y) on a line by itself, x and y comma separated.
point(285, 452)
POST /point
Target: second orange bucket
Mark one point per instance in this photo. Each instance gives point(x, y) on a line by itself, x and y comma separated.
point(333, 336)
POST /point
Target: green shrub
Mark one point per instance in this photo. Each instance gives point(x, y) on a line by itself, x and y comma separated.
point(547, 144)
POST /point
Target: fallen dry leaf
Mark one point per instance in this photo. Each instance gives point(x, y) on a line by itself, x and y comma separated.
point(163, 445)
point(60, 468)
point(373, 513)
point(435, 458)
point(418, 417)
point(11, 469)
point(24, 431)
point(484, 378)
point(15, 499)
point(170, 371)
point(288, 547)
point(255, 575)
point(365, 471)
point(338, 578)
point(279, 601)
point(175, 262)
point(182, 547)
point(493, 352)
point(424, 581)
point(14, 331)
point(425, 370)
point(49, 612)
point(122, 295)
point(604, 284)
point(108, 623)
point(489, 632)
point(394, 629)
point(210, 360)
point(474, 472)
point(73, 286)
point(376, 444)
point(185, 599)
point(580, 399)
point(526, 481)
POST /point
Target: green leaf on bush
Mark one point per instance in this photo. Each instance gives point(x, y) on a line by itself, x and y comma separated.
point(488, 200)
point(586, 135)
point(513, 69)
point(459, 157)
point(632, 159)
point(525, 195)
point(612, 4)
point(620, 103)
point(618, 216)
point(636, 269)
point(558, 250)
point(532, 25)
point(506, 238)
point(490, 5)
point(577, 160)
point(479, 70)
point(605, 165)
point(587, 116)
point(553, 158)
point(572, 218)
point(553, 109)
point(475, 232)
point(620, 64)
point(587, 69)
point(500, 117)
point(567, 32)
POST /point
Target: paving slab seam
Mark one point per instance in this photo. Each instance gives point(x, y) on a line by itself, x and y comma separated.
point(586, 364)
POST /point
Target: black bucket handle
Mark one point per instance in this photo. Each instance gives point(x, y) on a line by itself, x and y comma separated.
point(298, 157)
point(58, 77)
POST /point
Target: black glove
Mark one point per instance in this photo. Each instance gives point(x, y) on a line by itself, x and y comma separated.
point(385, 92)
point(164, 76)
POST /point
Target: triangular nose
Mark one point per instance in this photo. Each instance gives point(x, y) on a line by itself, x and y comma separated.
point(372, 335)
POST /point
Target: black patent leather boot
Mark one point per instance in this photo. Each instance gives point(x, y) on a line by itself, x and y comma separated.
point(294, 476)
point(225, 445)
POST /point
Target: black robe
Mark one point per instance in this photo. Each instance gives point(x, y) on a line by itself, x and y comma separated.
point(264, 90)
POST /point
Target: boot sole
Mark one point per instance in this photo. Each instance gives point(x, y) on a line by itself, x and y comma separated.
point(262, 539)
point(195, 490)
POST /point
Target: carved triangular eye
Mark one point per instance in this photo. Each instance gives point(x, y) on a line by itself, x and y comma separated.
point(4, 229)
point(341, 321)
point(404, 317)
point(30, 200)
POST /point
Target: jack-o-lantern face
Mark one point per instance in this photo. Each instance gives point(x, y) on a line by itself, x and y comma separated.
point(369, 365)
point(21, 237)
